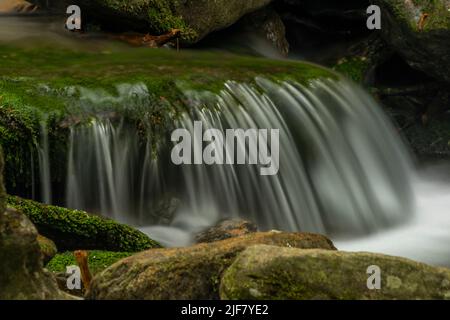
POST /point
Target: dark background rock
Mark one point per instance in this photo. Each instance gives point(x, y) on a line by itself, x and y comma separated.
point(425, 48)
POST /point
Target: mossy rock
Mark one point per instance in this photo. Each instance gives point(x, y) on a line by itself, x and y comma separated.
point(186, 273)
point(48, 248)
point(272, 273)
point(78, 230)
point(97, 260)
point(419, 30)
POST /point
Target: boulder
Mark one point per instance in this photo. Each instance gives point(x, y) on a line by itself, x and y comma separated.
point(75, 230)
point(186, 273)
point(420, 32)
point(269, 272)
point(226, 229)
point(195, 18)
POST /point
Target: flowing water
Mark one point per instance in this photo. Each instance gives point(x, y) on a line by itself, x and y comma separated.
point(343, 171)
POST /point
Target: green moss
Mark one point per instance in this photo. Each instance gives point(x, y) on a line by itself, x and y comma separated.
point(73, 229)
point(97, 260)
point(355, 68)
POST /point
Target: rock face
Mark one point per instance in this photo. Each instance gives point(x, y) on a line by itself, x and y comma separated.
point(226, 229)
point(196, 18)
point(268, 272)
point(186, 273)
point(420, 32)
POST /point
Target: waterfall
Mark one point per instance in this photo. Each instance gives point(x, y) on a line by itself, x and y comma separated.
point(44, 165)
point(343, 170)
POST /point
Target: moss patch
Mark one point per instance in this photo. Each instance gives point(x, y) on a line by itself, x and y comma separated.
point(355, 68)
point(97, 260)
point(73, 229)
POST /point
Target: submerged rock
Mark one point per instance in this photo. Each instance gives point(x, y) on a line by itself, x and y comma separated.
point(186, 273)
point(226, 229)
point(74, 230)
point(420, 32)
point(269, 272)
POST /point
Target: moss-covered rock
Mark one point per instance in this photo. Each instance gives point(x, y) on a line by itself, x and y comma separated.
point(22, 275)
point(195, 18)
point(73, 229)
point(420, 31)
point(268, 272)
point(186, 273)
point(48, 248)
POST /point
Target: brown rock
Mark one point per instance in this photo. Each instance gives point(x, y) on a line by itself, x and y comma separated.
point(186, 273)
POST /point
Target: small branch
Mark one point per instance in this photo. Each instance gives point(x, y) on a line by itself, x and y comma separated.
point(81, 256)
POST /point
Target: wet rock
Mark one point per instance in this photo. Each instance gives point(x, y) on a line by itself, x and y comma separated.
point(186, 273)
point(226, 229)
point(420, 32)
point(48, 248)
point(268, 272)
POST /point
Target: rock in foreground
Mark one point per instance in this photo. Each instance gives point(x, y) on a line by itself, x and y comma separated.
point(22, 276)
point(268, 272)
point(186, 273)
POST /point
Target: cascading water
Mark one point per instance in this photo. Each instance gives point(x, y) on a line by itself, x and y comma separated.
point(343, 170)
point(333, 138)
point(44, 165)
